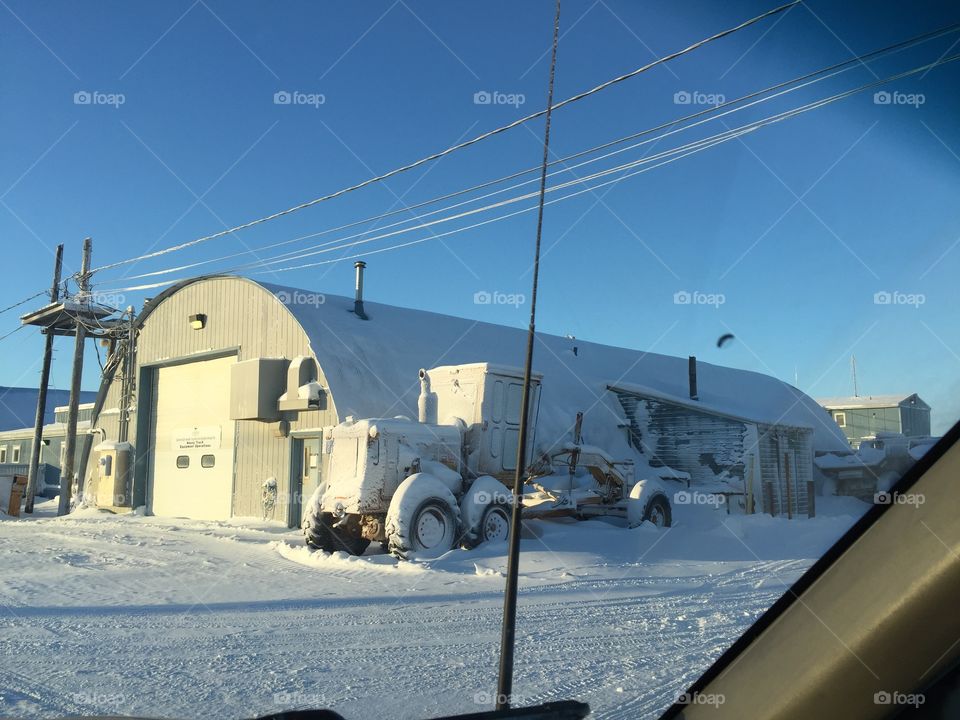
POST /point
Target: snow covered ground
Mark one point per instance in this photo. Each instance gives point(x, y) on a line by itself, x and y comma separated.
point(105, 614)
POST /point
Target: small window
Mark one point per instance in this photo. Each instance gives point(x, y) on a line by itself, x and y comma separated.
point(16, 454)
point(841, 419)
point(3, 454)
point(208, 461)
point(183, 461)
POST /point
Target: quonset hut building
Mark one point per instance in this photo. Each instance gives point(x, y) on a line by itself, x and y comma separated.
point(233, 382)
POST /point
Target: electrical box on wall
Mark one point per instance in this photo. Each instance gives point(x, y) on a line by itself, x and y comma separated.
point(255, 386)
point(113, 474)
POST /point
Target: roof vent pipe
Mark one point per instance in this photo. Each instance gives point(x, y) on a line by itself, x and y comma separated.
point(358, 298)
point(692, 366)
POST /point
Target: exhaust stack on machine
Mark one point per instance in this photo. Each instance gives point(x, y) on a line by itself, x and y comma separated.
point(358, 297)
point(427, 402)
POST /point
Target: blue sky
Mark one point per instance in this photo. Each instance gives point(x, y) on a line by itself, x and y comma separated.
point(797, 227)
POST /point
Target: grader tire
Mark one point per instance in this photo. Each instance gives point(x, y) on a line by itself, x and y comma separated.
point(423, 519)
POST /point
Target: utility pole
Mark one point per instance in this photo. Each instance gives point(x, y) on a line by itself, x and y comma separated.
point(66, 474)
point(42, 393)
point(127, 385)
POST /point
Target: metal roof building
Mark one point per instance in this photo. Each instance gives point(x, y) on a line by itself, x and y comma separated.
point(234, 380)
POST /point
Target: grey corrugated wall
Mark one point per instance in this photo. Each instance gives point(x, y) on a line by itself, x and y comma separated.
point(244, 316)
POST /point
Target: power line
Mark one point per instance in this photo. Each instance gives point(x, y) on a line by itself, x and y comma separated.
point(23, 302)
point(436, 236)
point(262, 264)
point(687, 150)
point(692, 149)
point(458, 146)
point(15, 330)
point(683, 151)
point(712, 113)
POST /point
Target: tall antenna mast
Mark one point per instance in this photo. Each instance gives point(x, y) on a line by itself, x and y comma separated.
point(853, 370)
point(508, 636)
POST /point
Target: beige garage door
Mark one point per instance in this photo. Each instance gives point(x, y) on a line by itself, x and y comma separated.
point(191, 472)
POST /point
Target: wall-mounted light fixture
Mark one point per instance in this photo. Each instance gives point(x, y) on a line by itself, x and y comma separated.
point(198, 321)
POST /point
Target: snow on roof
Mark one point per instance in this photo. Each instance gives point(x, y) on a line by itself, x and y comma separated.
point(50, 430)
point(867, 401)
point(371, 367)
point(81, 406)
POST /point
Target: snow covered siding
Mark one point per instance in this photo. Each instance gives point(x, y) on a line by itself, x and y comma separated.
point(724, 453)
point(702, 444)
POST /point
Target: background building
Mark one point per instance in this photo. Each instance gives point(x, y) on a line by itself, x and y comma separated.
point(16, 446)
point(864, 417)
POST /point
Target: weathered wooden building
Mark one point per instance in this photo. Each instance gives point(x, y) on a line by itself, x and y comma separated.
point(759, 464)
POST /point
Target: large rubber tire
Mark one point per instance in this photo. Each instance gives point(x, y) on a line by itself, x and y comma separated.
point(316, 530)
point(321, 534)
point(658, 511)
point(424, 518)
point(482, 493)
point(495, 525)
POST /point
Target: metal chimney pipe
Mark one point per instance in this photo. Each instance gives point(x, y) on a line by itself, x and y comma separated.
point(692, 367)
point(358, 298)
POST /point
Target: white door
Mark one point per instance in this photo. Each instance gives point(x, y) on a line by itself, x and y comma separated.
point(191, 470)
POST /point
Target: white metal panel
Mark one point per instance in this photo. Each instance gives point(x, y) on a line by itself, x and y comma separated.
point(192, 443)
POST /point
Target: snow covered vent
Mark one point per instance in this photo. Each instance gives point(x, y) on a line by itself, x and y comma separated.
point(358, 298)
